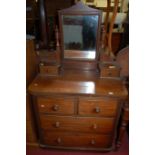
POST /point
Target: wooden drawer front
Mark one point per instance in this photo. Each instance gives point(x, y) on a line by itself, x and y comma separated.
point(78, 124)
point(54, 70)
point(109, 69)
point(56, 105)
point(97, 107)
point(77, 140)
point(110, 72)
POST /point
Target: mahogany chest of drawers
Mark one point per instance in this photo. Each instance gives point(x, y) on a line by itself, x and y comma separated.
point(77, 114)
point(79, 100)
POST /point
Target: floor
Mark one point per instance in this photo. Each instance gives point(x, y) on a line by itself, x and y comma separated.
point(124, 150)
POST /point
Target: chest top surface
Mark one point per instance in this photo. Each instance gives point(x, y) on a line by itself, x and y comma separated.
point(77, 83)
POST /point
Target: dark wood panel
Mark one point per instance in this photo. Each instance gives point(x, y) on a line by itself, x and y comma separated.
point(77, 124)
point(116, 40)
point(79, 65)
point(30, 128)
point(31, 71)
point(31, 61)
point(53, 6)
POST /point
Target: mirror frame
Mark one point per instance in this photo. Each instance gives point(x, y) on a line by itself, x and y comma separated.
point(81, 10)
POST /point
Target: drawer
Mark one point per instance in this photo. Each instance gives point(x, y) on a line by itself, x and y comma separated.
point(98, 107)
point(77, 124)
point(108, 69)
point(77, 140)
point(106, 72)
point(56, 105)
point(49, 69)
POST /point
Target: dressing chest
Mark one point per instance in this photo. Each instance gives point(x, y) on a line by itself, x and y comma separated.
point(75, 105)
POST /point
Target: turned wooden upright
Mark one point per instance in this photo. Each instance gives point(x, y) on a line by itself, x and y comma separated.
point(44, 43)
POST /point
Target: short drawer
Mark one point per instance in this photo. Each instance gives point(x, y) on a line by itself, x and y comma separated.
point(77, 124)
point(106, 72)
point(56, 105)
point(77, 140)
point(49, 69)
point(108, 69)
point(98, 107)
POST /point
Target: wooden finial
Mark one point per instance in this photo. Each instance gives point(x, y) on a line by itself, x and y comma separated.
point(102, 37)
point(57, 36)
point(57, 44)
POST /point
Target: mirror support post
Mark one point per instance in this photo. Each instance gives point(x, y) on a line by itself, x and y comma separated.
point(111, 27)
point(57, 44)
point(43, 24)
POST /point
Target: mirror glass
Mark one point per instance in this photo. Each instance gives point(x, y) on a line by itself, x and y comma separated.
point(79, 36)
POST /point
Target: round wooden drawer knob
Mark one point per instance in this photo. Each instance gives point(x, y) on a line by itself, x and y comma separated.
point(109, 73)
point(92, 141)
point(57, 124)
point(97, 109)
point(112, 66)
point(41, 64)
point(94, 126)
point(35, 84)
point(55, 108)
point(42, 105)
point(58, 140)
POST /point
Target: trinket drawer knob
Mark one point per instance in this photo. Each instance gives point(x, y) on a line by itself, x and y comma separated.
point(55, 107)
point(97, 109)
point(57, 124)
point(94, 126)
point(58, 140)
point(93, 142)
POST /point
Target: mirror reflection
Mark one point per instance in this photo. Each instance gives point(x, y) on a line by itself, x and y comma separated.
point(80, 33)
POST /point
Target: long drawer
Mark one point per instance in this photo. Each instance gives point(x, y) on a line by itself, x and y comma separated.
point(77, 124)
point(77, 140)
point(97, 107)
point(56, 105)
